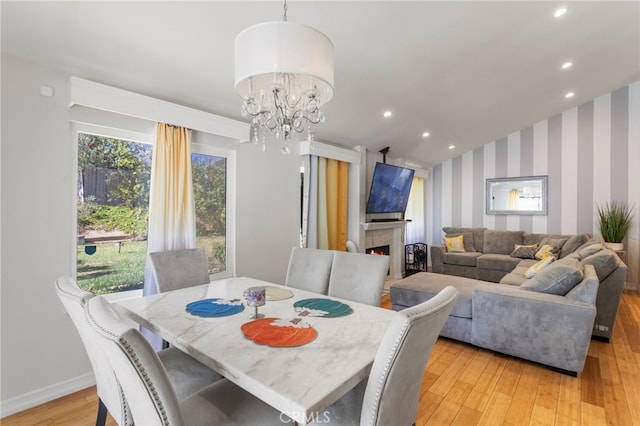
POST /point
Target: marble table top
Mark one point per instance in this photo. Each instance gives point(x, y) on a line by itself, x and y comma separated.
point(298, 381)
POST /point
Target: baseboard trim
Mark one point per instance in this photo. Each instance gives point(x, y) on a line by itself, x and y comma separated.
point(46, 394)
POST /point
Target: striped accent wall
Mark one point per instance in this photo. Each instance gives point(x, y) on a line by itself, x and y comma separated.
point(591, 154)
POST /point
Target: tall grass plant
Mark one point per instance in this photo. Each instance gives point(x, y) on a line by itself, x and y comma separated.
point(614, 221)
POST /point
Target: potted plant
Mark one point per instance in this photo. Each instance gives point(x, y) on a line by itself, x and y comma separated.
point(614, 221)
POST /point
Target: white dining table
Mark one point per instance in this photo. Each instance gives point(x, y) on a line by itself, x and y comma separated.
point(298, 381)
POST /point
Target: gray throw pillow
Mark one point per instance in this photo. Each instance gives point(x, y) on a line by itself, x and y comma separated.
point(591, 241)
point(558, 278)
point(573, 243)
point(591, 249)
point(467, 240)
point(604, 262)
point(587, 290)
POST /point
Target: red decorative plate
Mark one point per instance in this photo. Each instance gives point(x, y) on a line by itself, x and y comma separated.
point(279, 332)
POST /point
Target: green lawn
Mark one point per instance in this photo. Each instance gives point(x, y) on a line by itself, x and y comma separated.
point(110, 271)
point(107, 271)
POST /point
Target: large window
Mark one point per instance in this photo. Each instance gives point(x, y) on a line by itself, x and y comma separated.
point(210, 193)
point(112, 211)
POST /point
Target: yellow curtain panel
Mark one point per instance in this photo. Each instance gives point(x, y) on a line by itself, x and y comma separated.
point(514, 199)
point(337, 175)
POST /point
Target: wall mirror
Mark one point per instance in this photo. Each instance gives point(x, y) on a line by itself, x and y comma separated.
point(517, 195)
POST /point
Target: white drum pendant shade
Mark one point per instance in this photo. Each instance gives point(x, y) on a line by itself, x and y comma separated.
point(270, 48)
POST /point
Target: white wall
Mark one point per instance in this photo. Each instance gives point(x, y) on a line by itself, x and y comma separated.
point(40, 347)
point(590, 154)
point(268, 211)
point(41, 351)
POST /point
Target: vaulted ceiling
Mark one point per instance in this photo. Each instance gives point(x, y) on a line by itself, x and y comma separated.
point(466, 72)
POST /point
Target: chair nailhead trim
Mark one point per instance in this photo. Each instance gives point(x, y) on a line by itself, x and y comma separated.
point(148, 382)
point(125, 407)
point(136, 361)
point(385, 372)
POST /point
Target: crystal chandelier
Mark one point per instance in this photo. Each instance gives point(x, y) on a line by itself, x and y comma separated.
point(284, 74)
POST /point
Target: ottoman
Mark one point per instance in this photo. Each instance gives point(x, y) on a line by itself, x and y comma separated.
point(422, 286)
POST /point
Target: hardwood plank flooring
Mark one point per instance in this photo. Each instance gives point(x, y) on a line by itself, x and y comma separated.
point(465, 385)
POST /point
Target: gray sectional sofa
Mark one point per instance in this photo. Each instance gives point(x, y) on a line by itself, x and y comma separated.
point(488, 258)
point(487, 253)
point(549, 318)
point(550, 329)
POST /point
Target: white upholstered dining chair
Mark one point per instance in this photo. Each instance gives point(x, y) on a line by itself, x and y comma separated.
point(309, 269)
point(152, 397)
point(390, 395)
point(185, 373)
point(175, 269)
point(358, 277)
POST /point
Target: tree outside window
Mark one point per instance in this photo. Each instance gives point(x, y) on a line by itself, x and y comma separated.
point(113, 211)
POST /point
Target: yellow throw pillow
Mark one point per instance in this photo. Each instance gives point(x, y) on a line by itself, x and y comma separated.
point(454, 244)
point(539, 266)
point(544, 252)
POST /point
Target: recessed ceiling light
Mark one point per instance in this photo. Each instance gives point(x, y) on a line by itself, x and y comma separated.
point(387, 114)
point(451, 146)
point(569, 95)
point(559, 12)
point(425, 135)
point(567, 65)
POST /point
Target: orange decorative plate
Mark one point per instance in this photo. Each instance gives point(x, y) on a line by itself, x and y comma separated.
point(279, 332)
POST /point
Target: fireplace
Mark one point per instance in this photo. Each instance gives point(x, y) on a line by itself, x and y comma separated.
point(379, 251)
point(388, 237)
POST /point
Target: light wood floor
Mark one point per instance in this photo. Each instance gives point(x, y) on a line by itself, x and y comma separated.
point(464, 385)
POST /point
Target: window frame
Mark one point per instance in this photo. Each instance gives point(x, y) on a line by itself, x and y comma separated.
point(148, 138)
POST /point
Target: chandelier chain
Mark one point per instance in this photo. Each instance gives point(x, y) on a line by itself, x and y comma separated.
point(284, 17)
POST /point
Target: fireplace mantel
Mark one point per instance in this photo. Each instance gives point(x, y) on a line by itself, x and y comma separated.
point(391, 233)
point(372, 226)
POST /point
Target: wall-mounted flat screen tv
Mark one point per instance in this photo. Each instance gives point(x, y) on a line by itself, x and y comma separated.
point(390, 189)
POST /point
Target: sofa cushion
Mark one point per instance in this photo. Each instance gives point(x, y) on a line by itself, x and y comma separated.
point(558, 278)
point(478, 235)
point(604, 262)
point(497, 262)
point(573, 243)
point(501, 242)
point(454, 244)
point(537, 238)
point(591, 249)
point(422, 286)
point(587, 290)
point(525, 251)
point(467, 239)
point(525, 263)
point(462, 259)
point(515, 278)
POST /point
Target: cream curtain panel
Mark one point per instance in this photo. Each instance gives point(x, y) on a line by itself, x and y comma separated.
point(172, 218)
point(326, 209)
point(514, 199)
point(415, 212)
